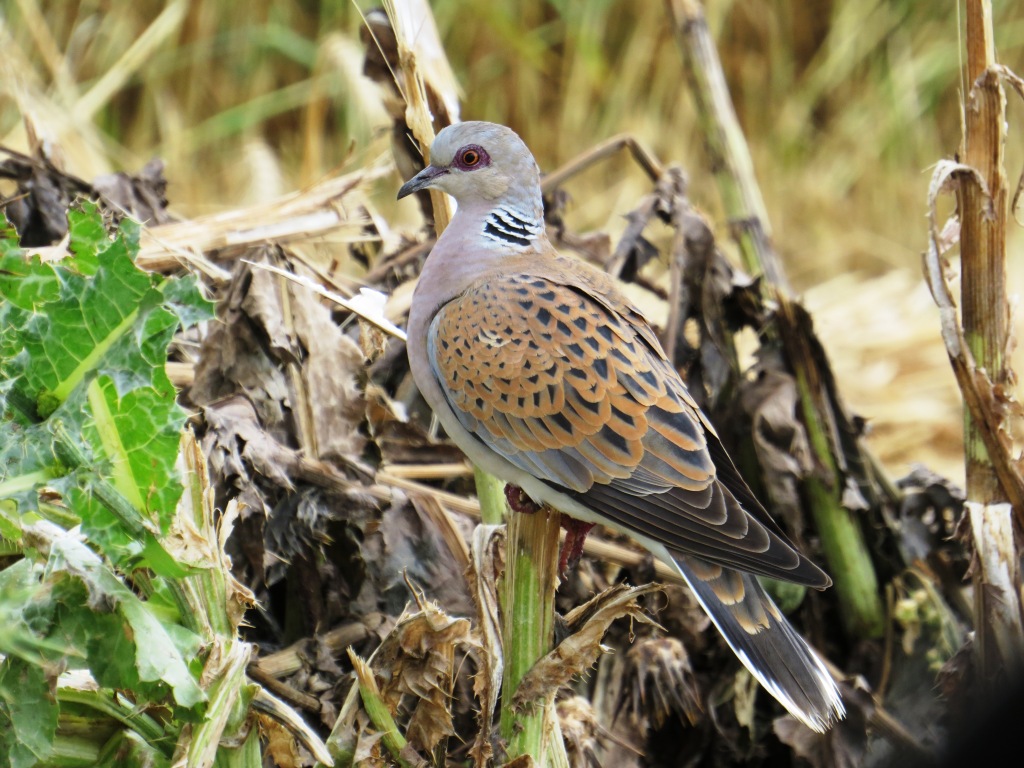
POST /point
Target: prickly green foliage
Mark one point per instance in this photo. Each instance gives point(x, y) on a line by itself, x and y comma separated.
point(88, 407)
point(89, 431)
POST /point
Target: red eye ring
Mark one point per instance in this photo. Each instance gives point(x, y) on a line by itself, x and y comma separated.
point(471, 157)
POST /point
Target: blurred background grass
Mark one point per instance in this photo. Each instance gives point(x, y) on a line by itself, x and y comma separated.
point(846, 105)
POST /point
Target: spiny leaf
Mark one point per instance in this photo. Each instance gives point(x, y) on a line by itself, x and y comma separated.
point(159, 653)
point(25, 615)
point(83, 345)
point(28, 714)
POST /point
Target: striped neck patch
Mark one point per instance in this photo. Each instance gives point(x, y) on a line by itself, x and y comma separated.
point(510, 227)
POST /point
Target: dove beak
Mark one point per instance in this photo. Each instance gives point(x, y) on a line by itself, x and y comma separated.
point(422, 180)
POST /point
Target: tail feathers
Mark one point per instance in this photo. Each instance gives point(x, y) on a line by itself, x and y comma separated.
point(765, 642)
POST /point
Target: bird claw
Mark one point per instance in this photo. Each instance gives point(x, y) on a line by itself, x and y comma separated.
point(575, 531)
point(518, 501)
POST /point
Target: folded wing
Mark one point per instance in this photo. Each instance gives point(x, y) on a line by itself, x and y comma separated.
point(557, 374)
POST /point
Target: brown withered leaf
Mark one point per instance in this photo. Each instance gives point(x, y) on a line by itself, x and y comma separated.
point(703, 285)
point(486, 566)
point(662, 682)
point(236, 444)
point(278, 384)
point(634, 250)
point(243, 460)
point(237, 355)
point(281, 746)
point(368, 747)
point(585, 737)
point(331, 364)
point(929, 508)
point(276, 343)
point(580, 649)
point(407, 546)
point(770, 401)
point(142, 196)
point(842, 747)
point(417, 660)
point(287, 499)
point(38, 208)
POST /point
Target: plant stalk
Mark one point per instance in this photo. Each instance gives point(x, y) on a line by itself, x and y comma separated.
point(843, 543)
point(985, 318)
point(491, 493)
point(528, 613)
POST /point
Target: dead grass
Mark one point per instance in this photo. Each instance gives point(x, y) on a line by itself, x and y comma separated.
point(845, 108)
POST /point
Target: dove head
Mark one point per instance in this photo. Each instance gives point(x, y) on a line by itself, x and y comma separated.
point(477, 162)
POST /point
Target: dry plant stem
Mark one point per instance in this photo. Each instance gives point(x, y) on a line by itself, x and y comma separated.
point(286, 716)
point(730, 157)
point(314, 212)
point(283, 690)
point(605, 149)
point(983, 295)
point(841, 537)
point(528, 616)
point(288, 661)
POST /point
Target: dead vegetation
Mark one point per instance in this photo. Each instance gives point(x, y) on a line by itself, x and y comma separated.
point(375, 589)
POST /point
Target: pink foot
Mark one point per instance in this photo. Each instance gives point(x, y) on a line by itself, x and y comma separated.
point(572, 548)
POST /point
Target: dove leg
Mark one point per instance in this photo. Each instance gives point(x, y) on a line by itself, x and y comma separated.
point(572, 548)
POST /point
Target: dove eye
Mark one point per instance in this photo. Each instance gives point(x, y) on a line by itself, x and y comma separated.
point(471, 157)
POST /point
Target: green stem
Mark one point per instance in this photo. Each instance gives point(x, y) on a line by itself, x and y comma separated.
point(378, 711)
point(113, 447)
point(528, 624)
point(849, 560)
point(491, 493)
point(73, 752)
point(103, 702)
point(73, 457)
point(842, 540)
point(228, 662)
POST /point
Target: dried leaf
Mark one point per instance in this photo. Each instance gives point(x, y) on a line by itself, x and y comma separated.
point(586, 739)
point(330, 369)
point(577, 653)
point(770, 400)
point(280, 743)
point(486, 566)
point(38, 208)
point(661, 681)
point(417, 659)
point(744, 697)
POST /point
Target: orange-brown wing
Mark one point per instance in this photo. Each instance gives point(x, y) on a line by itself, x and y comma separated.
point(568, 384)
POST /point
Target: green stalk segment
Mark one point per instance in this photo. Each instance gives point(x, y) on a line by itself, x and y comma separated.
point(528, 623)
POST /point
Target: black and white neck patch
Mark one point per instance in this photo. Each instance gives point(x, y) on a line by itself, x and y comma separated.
point(509, 226)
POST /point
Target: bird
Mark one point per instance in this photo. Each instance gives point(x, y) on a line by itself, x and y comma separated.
point(545, 375)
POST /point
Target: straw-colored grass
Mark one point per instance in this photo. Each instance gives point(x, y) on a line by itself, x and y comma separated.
point(845, 108)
